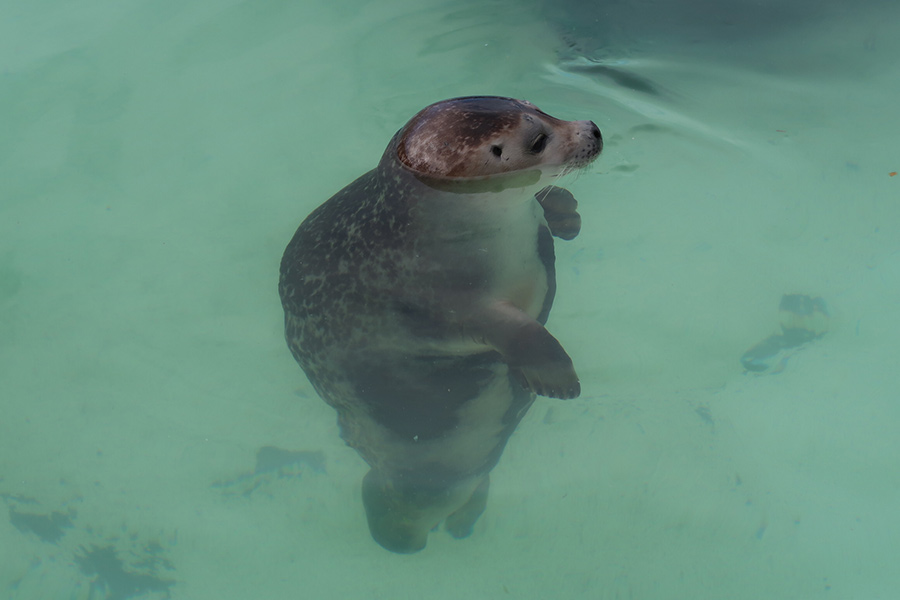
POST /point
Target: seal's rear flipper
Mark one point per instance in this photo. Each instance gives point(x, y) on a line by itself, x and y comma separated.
point(460, 523)
point(392, 521)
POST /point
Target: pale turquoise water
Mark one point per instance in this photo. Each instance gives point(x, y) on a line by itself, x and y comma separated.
point(155, 158)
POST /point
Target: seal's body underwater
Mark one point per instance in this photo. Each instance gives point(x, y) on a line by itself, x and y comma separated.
point(415, 301)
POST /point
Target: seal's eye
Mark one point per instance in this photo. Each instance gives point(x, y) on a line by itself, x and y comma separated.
point(497, 151)
point(539, 143)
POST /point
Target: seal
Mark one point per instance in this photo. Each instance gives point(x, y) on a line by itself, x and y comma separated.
point(415, 301)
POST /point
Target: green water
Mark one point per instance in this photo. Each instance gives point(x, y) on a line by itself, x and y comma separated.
point(156, 157)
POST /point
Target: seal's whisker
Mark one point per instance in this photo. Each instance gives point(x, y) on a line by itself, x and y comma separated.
point(543, 192)
point(565, 171)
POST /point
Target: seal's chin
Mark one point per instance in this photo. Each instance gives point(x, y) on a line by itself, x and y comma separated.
point(501, 181)
point(479, 185)
point(579, 163)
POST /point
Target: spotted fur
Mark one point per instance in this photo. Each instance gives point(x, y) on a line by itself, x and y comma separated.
point(415, 301)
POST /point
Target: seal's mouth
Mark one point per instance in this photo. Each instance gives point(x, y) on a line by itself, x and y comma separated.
point(573, 166)
point(588, 147)
point(590, 151)
point(580, 162)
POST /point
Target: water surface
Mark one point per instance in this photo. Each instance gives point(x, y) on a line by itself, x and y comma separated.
point(158, 440)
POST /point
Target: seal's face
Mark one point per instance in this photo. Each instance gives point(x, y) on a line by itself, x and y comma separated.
point(480, 136)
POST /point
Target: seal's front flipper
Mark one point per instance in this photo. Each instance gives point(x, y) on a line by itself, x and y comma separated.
point(560, 211)
point(551, 379)
point(535, 357)
point(460, 523)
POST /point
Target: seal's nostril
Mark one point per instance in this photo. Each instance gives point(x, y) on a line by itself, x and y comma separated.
point(595, 131)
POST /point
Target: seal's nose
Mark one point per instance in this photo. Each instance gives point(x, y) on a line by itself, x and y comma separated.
point(595, 132)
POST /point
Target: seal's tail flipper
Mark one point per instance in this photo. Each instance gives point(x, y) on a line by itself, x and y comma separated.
point(393, 521)
point(461, 522)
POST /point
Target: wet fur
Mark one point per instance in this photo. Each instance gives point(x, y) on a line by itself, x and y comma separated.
point(419, 315)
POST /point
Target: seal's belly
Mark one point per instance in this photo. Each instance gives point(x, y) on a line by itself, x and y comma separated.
point(455, 425)
point(522, 281)
point(489, 247)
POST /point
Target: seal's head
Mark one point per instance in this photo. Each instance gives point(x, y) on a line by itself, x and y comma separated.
point(482, 136)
